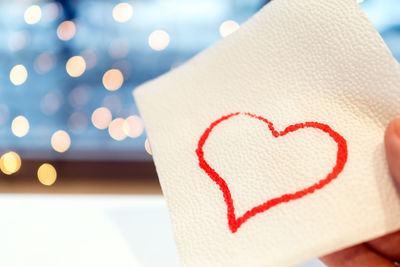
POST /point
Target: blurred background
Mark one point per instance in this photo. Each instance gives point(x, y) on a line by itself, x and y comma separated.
point(68, 121)
point(68, 69)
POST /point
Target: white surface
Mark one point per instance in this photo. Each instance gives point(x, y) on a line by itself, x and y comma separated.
point(294, 61)
point(85, 231)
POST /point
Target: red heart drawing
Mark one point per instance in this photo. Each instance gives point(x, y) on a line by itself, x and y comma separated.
point(235, 222)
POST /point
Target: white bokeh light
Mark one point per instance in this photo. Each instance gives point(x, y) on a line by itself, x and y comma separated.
point(122, 12)
point(60, 141)
point(116, 129)
point(33, 14)
point(20, 126)
point(228, 27)
point(159, 40)
point(18, 74)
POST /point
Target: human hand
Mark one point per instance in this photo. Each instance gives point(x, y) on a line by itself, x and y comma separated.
point(383, 251)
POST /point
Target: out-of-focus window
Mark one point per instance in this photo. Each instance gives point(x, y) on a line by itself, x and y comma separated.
point(68, 68)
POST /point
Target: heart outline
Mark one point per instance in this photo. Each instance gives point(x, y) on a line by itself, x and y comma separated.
point(235, 222)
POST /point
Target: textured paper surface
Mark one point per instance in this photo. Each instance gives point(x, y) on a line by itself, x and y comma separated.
point(293, 62)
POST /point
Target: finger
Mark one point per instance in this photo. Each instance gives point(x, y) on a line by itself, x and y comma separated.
point(357, 256)
point(392, 147)
point(388, 246)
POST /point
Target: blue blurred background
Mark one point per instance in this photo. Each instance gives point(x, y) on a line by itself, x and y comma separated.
point(68, 67)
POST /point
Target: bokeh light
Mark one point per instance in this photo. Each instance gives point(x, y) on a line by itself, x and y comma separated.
point(66, 30)
point(159, 40)
point(116, 129)
point(133, 126)
point(51, 102)
point(147, 147)
point(44, 62)
point(4, 113)
point(228, 27)
point(122, 12)
point(10, 163)
point(101, 118)
point(77, 122)
point(18, 74)
point(90, 58)
point(33, 14)
point(75, 66)
point(20, 126)
point(18, 40)
point(119, 48)
point(51, 11)
point(47, 174)
point(79, 96)
point(60, 141)
point(113, 79)
point(114, 103)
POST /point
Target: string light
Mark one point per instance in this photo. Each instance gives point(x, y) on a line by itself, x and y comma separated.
point(10, 163)
point(122, 12)
point(20, 126)
point(32, 14)
point(159, 40)
point(116, 129)
point(133, 126)
point(18, 74)
point(147, 147)
point(47, 174)
point(75, 66)
point(228, 27)
point(60, 141)
point(101, 118)
point(66, 30)
point(113, 79)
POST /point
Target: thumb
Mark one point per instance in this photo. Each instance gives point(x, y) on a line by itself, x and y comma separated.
point(392, 146)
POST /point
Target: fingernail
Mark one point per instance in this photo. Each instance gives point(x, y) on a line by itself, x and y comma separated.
point(396, 123)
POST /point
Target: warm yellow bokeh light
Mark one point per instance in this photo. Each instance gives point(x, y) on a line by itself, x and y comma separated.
point(116, 129)
point(10, 163)
point(113, 79)
point(228, 27)
point(75, 66)
point(18, 74)
point(122, 12)
point(60, 141)
point(147, 146)
point(133, 126)
point(20, 126)
point(159, 40)
point(101, 118)
point(47, 174)
point(66, 30)
point(32, 14)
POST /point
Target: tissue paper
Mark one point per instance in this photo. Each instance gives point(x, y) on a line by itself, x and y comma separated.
point(269, 144)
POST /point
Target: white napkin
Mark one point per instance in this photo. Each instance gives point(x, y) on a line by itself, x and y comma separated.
point(269, 145)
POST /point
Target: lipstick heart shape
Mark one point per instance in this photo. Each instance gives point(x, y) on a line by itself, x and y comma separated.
point(235, 222)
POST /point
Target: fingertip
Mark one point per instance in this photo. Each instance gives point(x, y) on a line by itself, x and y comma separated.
point(392, 147)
